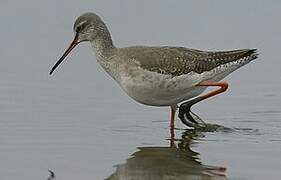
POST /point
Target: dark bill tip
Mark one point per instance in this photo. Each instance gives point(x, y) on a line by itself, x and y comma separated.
point(68, 50)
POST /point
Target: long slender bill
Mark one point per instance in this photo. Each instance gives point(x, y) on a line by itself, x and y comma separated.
point(68, 50)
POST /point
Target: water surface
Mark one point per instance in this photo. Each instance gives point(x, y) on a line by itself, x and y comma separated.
point(80, 124)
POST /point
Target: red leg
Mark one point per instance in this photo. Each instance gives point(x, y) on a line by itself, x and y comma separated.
point(172, 140)
point(184, 110)
point(172, 121)
point(223, 87)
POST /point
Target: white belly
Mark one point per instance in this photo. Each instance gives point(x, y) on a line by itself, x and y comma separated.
point(156, 89)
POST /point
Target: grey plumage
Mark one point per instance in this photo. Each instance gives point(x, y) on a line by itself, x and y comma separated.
point(177, 61)
point(174, 61)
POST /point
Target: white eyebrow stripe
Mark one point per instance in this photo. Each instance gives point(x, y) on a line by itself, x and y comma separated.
point(82, 22)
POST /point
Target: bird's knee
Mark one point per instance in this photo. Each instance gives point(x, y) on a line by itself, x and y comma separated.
point(224, 86)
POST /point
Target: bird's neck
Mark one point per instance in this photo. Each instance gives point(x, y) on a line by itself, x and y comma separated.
point(104, 50)
point(103, 45)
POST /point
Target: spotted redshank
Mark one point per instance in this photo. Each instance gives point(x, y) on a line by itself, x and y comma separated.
point(160, 75)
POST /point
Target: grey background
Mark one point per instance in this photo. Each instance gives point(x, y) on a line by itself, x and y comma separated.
point(80, 123)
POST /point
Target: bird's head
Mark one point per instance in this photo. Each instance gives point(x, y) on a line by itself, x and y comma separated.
point(87, 27)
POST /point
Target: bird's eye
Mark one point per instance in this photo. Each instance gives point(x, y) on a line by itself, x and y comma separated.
point(78, 28)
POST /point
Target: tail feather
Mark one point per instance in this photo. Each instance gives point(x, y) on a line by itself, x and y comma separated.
point(224, 57)
point(232, 61)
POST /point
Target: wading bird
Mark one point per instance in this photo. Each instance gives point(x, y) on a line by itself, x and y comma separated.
point(160, 75)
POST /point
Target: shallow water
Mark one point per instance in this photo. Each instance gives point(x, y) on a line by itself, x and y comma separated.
point(81, 125)
point(96, 133)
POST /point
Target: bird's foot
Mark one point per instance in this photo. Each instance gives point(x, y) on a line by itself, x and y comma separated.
point(189, 118)
point(192, 120)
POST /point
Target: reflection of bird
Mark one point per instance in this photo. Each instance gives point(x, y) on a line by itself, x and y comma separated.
point(52, 175)
point(160, 76)
point(178, 163)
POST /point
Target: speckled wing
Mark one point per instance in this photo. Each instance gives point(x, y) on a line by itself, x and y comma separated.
point(177, 61)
